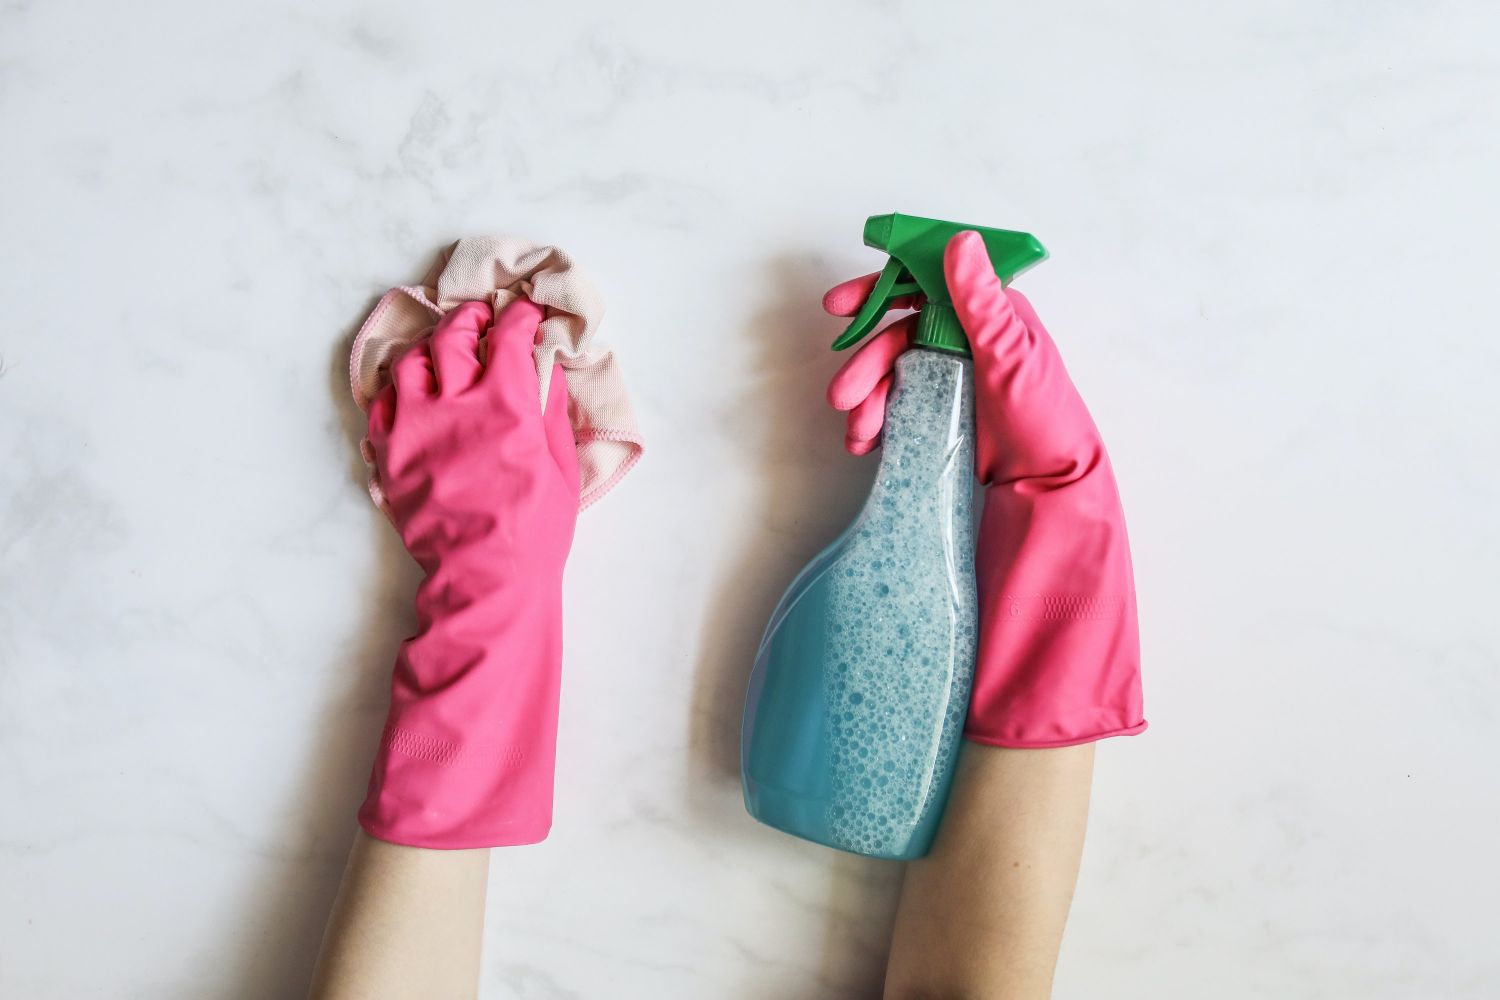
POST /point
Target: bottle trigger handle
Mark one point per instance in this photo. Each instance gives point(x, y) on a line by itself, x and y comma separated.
point(894, 282)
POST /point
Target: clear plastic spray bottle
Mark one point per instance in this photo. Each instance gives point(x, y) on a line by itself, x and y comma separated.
point(861, 682)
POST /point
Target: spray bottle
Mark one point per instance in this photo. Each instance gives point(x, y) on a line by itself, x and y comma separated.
point(861, 682)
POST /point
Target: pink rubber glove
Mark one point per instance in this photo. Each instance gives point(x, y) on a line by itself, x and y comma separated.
point(1059, 650)
point(483, 489)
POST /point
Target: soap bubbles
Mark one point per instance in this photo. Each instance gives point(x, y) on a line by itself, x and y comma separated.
point(902, 607)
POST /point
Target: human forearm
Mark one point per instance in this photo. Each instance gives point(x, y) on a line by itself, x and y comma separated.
point(983, 914)
point(407, 923)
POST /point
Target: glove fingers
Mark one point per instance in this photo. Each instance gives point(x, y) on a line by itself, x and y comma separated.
point(983, 308)
point(382, 415)
point(871, 363)
point(510, 370)
point(559, 425)
point(412, 373)
point(1033, 424)
point(455, 346)
point(846, 298)
point(866, 419)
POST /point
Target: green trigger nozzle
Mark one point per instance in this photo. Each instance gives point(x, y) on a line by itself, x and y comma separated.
point(916, 266)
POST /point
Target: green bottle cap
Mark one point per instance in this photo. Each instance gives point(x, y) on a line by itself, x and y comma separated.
point(916, 266)
point(938, 328)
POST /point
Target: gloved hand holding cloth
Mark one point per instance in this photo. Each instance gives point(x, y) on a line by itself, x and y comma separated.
point(487, 434)
point(482, 485)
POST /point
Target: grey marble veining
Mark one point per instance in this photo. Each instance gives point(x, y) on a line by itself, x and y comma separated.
point(1273, 237)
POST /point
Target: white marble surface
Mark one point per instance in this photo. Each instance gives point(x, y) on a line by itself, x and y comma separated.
point(1274, 232)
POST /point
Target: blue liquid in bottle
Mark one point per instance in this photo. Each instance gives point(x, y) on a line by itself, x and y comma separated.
point(861, 682)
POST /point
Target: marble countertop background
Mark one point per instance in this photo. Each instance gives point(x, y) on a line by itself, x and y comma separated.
point(1274, 238)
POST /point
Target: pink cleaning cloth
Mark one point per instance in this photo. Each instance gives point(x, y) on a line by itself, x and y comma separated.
point(497, 270)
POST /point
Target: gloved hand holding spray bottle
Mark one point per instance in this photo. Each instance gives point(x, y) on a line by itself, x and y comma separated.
point(863, 680)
